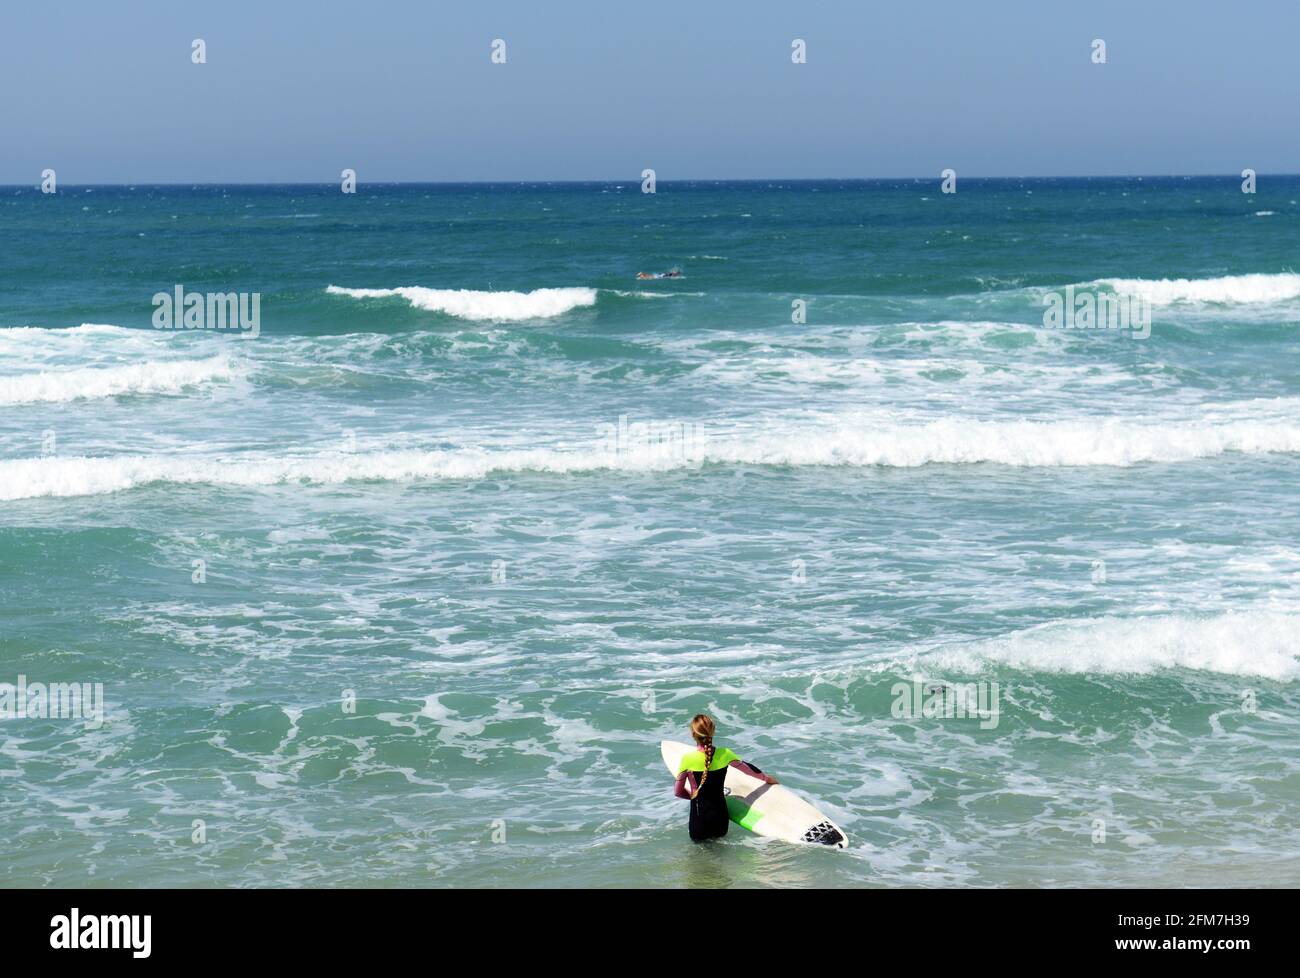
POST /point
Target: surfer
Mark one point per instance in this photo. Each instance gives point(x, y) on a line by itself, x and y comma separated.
point(671, 273)
point(706, 770)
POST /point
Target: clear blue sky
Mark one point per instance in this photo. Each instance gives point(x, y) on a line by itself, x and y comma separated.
point(404, 90)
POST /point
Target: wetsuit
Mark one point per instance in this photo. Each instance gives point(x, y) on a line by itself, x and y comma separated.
point(709, 818)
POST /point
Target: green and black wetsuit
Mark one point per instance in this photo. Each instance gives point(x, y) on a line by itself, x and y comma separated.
point(709, 818)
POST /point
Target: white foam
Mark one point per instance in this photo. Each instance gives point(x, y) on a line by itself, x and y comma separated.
point(1247, 643)
point(85, 329)
point(652, 295)
point(957, 441)
point(149, 377)
point(873, 375)
point(484, 306)
point(949, 441)
point(36, 342)
point(1228, 290)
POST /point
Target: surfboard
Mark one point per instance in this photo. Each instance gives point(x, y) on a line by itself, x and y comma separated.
point(766, 809)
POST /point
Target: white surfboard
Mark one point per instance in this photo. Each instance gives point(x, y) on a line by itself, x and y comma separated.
point(766, 809)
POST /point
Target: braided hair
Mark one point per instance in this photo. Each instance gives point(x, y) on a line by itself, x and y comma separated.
point(702, 729)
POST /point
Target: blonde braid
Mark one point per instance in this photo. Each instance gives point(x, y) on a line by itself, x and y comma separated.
point(703, 729)
point(707, 747)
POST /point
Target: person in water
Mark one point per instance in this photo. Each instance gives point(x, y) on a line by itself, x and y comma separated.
point(702, 777)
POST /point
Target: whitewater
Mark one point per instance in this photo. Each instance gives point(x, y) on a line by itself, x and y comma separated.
point(480, 518)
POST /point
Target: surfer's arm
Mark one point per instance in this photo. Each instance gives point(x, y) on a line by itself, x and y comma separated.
point(753, 771)
point(680, 789)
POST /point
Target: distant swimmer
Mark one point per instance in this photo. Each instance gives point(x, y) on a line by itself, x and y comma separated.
point(672, 273)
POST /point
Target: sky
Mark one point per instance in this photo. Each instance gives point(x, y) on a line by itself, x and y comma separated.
point(399, 90)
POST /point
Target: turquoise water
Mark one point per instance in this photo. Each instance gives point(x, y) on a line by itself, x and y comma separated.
point(428, 498)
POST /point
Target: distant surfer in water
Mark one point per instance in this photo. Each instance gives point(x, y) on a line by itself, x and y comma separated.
point(671, 273)
point(705, 769)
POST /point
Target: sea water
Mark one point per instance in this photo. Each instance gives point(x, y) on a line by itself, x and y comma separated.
point(405, 586)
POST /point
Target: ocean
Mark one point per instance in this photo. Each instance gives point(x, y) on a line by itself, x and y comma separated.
point(402, 584)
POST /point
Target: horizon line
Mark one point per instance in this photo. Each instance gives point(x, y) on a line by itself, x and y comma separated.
point(637, 181)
